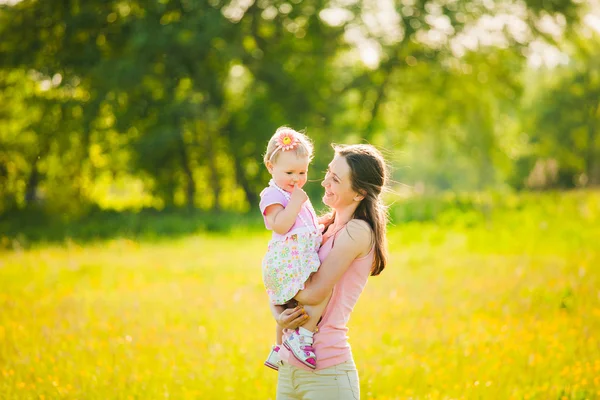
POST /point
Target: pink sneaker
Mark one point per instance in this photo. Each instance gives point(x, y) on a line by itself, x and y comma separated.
point(273, 360)
point(301, 348)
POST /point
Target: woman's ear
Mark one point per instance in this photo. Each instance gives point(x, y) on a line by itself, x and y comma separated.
point(360, 195)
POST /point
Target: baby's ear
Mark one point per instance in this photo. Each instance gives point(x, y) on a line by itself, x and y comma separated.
point(269, 165)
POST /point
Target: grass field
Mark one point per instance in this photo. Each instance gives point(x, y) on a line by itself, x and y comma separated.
point(507, 307)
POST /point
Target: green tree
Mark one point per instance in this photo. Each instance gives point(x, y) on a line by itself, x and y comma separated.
point(185, 94)
point(567, 114)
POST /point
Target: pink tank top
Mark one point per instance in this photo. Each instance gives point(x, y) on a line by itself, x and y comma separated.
point(331, 341)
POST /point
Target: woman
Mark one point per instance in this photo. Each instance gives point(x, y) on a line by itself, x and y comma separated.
point(354, 247)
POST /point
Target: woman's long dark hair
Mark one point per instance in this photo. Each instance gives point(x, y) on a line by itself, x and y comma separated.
point(368, 174)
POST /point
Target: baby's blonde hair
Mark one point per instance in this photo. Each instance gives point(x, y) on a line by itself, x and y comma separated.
point(304, 148)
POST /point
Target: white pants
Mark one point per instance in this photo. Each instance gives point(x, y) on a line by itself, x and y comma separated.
point(333, 383)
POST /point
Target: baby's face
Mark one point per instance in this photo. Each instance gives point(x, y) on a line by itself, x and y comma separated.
point(289, 169)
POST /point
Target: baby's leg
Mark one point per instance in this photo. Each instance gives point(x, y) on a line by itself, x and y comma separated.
point(300, 341)
point(314, 314)
point(279, 332)
point(273, 360)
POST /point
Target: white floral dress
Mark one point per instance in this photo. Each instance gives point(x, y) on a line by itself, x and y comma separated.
point(291, 257)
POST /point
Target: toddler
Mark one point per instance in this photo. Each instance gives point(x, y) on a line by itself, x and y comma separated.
point(292, 253)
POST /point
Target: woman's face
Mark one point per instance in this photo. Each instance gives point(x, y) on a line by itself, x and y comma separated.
point(338, 184)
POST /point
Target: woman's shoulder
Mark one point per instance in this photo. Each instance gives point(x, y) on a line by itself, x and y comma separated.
point(359, 235)
point(360, 227)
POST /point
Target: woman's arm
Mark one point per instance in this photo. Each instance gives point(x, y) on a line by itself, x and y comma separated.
point(352, 242)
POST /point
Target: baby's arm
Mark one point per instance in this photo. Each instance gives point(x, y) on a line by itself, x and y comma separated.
point(282, 219)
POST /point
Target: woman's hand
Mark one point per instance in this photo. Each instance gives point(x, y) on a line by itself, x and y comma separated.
point(292, 318)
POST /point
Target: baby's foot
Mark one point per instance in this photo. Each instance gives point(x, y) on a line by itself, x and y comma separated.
point(300, 344)
point(273, 360)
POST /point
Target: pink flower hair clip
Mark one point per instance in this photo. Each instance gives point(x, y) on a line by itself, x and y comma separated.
point(286, 140)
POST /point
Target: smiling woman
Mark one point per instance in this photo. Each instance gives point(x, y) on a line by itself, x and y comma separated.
point(350, 179)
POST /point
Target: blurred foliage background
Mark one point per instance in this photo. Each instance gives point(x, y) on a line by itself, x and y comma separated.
point(112, 107)
point(140, 126)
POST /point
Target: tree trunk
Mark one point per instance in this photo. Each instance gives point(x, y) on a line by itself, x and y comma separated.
point(590, 159)
point(240, 174)
point(241, 178)
point(190, 192)
point(32, 183)
point(215, 183)
point(379, 99)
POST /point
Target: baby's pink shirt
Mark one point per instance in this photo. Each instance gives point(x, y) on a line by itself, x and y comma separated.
point(331, 341)
point(270, 195)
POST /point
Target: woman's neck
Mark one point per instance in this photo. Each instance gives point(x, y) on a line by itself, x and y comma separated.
point(343, 216)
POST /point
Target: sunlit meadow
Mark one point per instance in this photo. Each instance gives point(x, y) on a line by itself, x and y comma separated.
point(506, 306)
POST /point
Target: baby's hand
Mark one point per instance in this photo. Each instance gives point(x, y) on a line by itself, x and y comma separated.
point(299, 196)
